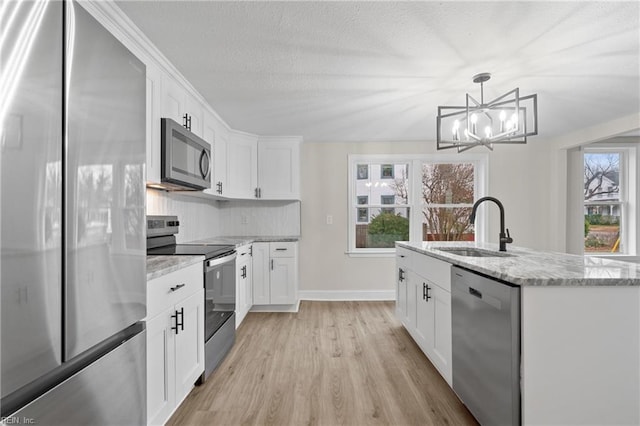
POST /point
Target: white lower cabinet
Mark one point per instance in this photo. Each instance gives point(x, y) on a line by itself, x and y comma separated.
point(175, 340)
point(425, 310)
point(244, 282)
point(275, 273)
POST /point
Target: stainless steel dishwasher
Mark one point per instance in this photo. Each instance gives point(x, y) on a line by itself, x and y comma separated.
point(485, 323)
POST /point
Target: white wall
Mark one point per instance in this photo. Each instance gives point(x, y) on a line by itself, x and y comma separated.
point(518, 176)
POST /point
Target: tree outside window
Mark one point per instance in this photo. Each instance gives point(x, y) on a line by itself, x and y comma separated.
point(447, 199)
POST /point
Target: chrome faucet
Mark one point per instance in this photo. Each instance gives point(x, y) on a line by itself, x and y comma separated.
point(504, 238)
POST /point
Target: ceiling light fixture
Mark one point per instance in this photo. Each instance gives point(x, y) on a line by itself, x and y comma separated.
point(506, 119)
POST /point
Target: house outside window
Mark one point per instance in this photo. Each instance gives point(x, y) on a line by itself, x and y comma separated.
point(421, 198)
point(605, 201)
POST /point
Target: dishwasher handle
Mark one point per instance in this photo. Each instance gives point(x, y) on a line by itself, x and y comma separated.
point(474, 292)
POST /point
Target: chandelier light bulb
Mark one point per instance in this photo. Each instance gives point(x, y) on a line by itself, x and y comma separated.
point(456, 134)
point(509, 125)
point(487, 131)
point(503, 116)
point(474, 120)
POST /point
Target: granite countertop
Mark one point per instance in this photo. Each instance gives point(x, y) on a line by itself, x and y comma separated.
point(527, 267)
point(158, 266)
point(241, 241)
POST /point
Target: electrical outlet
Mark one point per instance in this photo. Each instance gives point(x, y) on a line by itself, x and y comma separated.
point(329, 219)
point(244, 219)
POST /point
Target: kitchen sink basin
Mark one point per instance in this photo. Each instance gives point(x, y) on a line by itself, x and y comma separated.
point(473, 252)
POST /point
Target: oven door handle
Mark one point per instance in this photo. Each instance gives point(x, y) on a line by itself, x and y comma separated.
point(219, 261)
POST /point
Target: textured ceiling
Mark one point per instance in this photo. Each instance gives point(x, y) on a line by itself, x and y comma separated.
point(362, 71)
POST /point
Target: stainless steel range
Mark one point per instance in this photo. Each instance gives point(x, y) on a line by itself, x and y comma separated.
point(219, 285)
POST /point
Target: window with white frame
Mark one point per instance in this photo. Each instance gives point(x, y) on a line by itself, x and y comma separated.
point(411, 198)
point(607, 213)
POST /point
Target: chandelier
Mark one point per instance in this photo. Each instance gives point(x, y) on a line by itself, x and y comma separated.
point(506, 119)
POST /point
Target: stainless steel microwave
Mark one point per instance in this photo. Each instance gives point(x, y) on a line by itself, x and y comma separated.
point(185, 158)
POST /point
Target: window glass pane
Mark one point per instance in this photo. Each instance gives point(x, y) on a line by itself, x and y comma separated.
point(602, 228)
point(603, 207)
point(383, 227)
point(372, 185)
point(448, 183)
point(447, 224)
point(601, 176)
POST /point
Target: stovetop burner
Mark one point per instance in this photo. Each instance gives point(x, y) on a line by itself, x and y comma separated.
point(209, 251)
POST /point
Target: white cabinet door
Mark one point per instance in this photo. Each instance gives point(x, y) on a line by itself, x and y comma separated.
point(195, 111)
point(173, 99)
point(441, 346)
point(424, 313)
point(401, 293)
point(242, 165)
point(154, 106)
point(160, 365)
point(283, 279)
point(243, 283)
point(220, 160)
point(410, 318)
point(402, 270)
point(189, 343)
point(261, 269)
point(279, 168)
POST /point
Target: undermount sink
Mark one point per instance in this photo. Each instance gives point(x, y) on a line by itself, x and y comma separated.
point(473, 252)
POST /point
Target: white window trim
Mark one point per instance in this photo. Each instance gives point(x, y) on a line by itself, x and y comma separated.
point(481, 166)
point(629, 198)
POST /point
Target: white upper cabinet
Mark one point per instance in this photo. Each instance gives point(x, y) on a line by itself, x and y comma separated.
point(179, 105)
point(265, 168)
point(242, 165)
point(279, 168)
point(219, 183)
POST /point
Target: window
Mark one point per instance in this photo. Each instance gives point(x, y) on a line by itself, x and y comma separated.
point(605, 201)
point(420, 198)
point(448, 194)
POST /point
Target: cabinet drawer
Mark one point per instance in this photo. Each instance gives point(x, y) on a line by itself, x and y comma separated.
point(244, 252)
point(404, 258)
point(283, 249)
point(435, 270)
point(165, 291)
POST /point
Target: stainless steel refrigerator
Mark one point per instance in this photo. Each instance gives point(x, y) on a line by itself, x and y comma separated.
point(73, 289)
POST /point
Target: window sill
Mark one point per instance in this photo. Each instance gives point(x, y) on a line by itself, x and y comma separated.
point(377, 253)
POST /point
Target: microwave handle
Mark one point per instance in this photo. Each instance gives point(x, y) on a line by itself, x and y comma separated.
point(205, 155)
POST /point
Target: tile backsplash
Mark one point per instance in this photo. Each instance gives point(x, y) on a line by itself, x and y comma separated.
point(203, 218)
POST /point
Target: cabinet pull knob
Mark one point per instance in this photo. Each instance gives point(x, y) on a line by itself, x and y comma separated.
point(426, 294)
point(177, 287)
point(272, 264)
point(281, 249)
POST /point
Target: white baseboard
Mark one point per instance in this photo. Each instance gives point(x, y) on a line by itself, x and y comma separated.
point(348, 295)
point(276, 308)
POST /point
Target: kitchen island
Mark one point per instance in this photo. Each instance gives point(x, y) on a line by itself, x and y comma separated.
point(579, 326)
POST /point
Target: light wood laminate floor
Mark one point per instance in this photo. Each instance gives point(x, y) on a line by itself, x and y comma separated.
point(332, 363)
